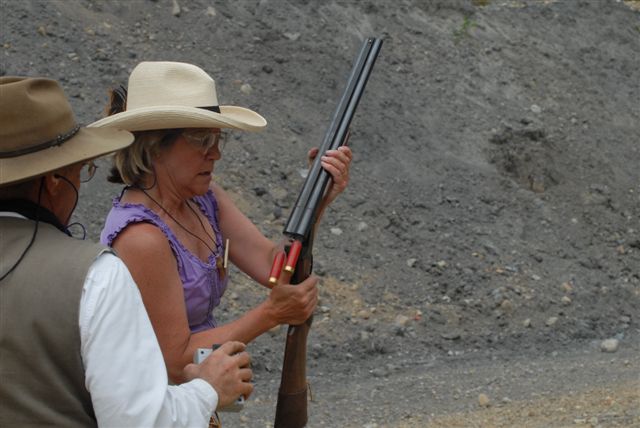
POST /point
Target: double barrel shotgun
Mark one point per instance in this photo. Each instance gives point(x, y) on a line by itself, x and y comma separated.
point(291, 408)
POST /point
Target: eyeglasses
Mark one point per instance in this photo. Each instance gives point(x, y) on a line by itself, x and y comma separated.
point(87, 171)
point(205, 139)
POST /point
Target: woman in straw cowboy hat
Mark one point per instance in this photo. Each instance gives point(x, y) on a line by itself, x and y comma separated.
point(76, 345)
point(171, 223)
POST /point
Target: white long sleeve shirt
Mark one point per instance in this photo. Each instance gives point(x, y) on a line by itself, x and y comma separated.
point(125, 373)
point(124, 369)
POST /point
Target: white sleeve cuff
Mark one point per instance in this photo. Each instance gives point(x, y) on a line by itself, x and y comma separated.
point(205, 391)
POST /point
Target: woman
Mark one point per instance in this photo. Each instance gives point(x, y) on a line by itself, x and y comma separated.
point(171, 223)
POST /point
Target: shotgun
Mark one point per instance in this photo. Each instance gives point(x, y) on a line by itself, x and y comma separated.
point(291, 408)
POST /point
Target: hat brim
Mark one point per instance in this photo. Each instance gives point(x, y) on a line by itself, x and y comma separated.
point(86, 144)
point(168, 117)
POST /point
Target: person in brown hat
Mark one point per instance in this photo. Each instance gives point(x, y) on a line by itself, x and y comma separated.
point(76, 345)
point(176, 229)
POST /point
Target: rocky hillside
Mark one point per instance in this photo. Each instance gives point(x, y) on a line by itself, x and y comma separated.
point(494, 203)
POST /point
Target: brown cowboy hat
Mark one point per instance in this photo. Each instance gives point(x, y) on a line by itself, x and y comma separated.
point(164, 95)
point(39, 134)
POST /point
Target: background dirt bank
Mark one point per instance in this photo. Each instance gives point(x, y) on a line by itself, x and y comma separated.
point(493, 215)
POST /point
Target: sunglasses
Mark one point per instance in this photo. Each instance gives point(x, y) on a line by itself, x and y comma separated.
point(205, 139)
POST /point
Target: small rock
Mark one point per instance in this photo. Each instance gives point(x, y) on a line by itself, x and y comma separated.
point(451, 335)
point(483, 400)
point(536, 183)
point(362, 226)
point(336, 231)
point(292, 36)
point(275, 330)
point(567, 287)
point(246, 88)
point(176, 8)
point(401, 321)
point(625, 319)
point(364, 314)
point(379, 372)
point(526, 323)
point(551, 321)
point(566, 300)
point(411, 262)
point(211, 11)
point(609, 345)
point(536, 108)
point(278, 193)
point(441, 264)
point(259, 191)
point(506, 306)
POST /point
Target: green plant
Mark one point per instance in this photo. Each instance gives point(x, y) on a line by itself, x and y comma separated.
point(463, 31)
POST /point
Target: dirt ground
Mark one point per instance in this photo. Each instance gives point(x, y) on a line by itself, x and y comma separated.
point(483, 267)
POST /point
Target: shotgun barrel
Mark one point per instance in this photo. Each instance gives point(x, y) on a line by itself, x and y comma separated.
point(303, 214)
point(291, 408)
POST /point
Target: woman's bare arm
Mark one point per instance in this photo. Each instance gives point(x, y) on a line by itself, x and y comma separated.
point(249, 249)
point(146, 252)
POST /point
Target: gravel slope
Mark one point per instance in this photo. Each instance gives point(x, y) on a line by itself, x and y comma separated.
point(492, 220)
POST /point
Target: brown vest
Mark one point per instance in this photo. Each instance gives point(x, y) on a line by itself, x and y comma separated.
point(41, 370)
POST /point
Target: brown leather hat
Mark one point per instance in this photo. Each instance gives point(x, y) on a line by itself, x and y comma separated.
point(39, 134)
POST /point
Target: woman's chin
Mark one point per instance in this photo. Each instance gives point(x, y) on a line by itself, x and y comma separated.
point(202, 183)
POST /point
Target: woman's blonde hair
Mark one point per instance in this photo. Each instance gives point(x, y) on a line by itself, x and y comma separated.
point(132, 164)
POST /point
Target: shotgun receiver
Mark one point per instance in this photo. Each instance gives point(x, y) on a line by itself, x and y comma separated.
point(291, 409)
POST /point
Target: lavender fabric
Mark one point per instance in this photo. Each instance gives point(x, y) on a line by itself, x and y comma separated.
point(202, 283)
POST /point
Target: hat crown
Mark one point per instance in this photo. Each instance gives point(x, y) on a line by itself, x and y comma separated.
point(39, 134)
point(153, 84)
point(33, 111)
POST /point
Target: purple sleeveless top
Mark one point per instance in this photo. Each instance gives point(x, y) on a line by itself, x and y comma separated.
point(203, 283)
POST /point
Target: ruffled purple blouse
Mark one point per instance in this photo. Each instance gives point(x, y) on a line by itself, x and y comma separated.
point(203, 283)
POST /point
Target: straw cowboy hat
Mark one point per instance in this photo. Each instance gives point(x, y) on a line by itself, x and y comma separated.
point(39, 134)
point(165, 95)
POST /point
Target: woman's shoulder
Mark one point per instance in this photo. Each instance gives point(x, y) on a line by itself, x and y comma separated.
point(143, 236)
point(125, 214)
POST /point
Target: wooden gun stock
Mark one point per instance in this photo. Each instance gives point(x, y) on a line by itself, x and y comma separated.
point(291, 409)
